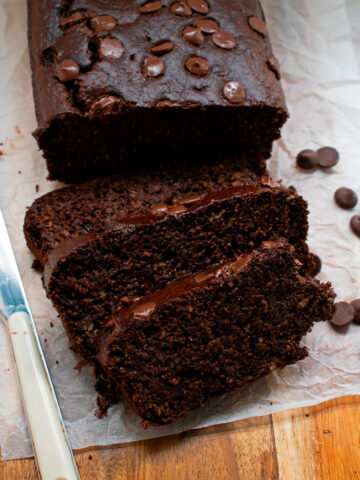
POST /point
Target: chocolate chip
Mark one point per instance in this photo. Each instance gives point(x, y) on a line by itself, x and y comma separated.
point(344, 314)
point(345, 198)
point(181, 9)
point(197, 66)
point(144, 311)
point(204, 277)
point(72, 19)
point(307, 159)
point(234, 92)
point(273, 64)
point(316, 264)
point(207, 25)
point(111, 49)
point(150, 7)
point(257, 25)
point(193, 35)
point(191, 200)
point(199, 6)
point(103, 23)
point(162, 48)
point(154, 67)
point(327, 157)
point(355, 225)
point(175, 209)
point(106, 102)
point(67, 70)
point(356, 306)
point(224, 39)
point(160, 208)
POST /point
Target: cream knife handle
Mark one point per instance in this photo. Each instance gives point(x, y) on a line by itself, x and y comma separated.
point(52, 450)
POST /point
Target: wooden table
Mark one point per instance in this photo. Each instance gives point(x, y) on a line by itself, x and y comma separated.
point(321, 442)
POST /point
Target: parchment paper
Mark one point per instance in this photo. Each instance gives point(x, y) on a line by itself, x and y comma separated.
point(318, 49)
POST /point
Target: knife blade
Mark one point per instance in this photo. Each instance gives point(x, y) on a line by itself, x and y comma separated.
point(52, 450)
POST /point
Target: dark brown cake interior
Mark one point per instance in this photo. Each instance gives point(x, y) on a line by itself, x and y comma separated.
point(99, 204)
point(203, 336)
point(87, 277)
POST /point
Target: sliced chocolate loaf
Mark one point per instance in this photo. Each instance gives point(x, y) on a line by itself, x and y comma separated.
point(87, 277)
point(130, 82)
point(97, 205)
point(209, 334)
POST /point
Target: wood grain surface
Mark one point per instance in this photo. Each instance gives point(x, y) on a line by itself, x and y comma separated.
point(321, 442)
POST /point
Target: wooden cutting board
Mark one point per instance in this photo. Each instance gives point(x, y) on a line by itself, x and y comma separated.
point(321, 442)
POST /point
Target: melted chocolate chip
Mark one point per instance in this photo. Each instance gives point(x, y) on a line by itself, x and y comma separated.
point(181, 9)
point(191, 200)
point(67, 70)
point(161, 208)
point(345, 198)
point(355, 225)
point(197, 66)
point(207, 25)
point(103, 23)
point(72, 19)
point(144, 311)
point(204, 278)
point(154, 67)
point(193, 35)
point(106, 102)
point(356, 306)
point(162, 48)
point(175, 209)
point(273, 64)
point(224, 39)
point(306, 159)
point(150, 7)
point(327, 157)
point(199, 6)
point(257, 25)
point(234, 92)
point(344, 314)
point(111, 49)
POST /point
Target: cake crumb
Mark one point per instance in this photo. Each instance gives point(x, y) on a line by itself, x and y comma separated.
point(57, 362)
point(19, 172)
point(51, 325)
point(37, 188)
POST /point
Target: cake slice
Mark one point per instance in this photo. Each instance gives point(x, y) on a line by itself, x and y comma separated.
point(89, 276)
point(131, 82)
point(211, 333)
point(96, 205)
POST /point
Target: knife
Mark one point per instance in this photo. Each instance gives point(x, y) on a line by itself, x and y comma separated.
point(52, 449)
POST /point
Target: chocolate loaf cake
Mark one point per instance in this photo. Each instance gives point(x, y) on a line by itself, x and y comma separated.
point(123, 83)
point(101, 203)
point(209, 334)
point(87, 277)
